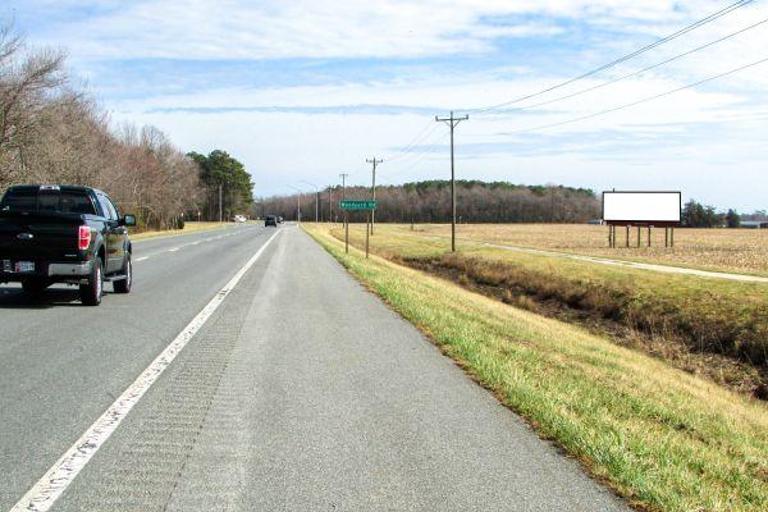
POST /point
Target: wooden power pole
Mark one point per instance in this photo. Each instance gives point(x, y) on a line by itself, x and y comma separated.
point(343, 177)
point(374, 162)
point(452, 122)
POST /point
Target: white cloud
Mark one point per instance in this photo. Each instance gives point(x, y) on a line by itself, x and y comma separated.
point(283, 148)
point(706, 141)
point(230, 29)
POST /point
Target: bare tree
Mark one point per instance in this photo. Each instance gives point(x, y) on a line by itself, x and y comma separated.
point(51, 132)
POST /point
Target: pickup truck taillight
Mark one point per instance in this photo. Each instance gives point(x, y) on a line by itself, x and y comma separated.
point(84, 238)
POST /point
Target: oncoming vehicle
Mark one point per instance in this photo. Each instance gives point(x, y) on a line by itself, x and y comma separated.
point(239, 218)
point(279, 219)
point(270, 220)
point(64, 234)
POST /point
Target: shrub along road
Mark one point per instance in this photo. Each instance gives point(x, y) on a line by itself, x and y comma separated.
point(302, 391)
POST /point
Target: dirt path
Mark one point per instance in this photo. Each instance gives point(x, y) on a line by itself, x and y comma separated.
point(631, 264)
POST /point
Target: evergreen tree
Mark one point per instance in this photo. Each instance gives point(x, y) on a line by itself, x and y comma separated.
point(219, 170)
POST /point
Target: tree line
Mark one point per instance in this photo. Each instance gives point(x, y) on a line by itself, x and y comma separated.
point(51, 131)
point(697, 215)
point(430, 201)
point(480, 202)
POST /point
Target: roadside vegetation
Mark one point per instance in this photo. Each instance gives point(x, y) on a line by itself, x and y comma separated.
point(715, 328)
point(662, 438)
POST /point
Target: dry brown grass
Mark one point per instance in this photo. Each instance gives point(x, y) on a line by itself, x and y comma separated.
point(728, 250)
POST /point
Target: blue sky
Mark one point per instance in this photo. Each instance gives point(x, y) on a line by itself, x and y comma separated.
point(301, 91)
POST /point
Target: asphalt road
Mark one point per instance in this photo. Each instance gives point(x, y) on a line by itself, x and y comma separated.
point(301, 392)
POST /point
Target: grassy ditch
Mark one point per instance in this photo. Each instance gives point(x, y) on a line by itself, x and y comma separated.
point(691, 319)
point(662, 438)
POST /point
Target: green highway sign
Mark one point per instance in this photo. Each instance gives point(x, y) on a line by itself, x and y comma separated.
point(350, 204)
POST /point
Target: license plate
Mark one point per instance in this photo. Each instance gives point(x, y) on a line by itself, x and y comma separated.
point(24, 266)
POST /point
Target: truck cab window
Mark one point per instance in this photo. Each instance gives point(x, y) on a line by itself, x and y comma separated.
point(107, 208)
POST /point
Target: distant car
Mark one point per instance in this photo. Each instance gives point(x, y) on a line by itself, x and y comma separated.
point(239, 218)
point(270, 220)
point(279, 219)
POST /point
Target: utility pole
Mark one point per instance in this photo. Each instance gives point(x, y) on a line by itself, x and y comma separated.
point(330, 203)
point(452, 122)
point(317, 199)
point(374, 162)
point(298, 203)
point(343, 177)
point(221, 211)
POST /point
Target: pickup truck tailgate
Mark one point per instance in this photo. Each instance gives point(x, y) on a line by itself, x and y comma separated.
point(38, 237)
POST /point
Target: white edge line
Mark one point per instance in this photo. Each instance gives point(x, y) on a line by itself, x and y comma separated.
point(50, 487)
point(175, 249)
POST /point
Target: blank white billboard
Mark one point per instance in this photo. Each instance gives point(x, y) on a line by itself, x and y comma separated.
point(641, 207)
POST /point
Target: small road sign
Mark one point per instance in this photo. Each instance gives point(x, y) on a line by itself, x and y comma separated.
point(349, 204)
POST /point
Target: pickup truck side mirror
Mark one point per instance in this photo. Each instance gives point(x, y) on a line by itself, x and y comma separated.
point(128, 220)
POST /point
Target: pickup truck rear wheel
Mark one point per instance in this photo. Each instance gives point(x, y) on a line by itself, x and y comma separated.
point(90, 294)
point(124, 285)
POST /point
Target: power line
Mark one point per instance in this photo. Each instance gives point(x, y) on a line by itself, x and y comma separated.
point(413, 142)
point(420, 155)
point(641, 71)
point(640, 51)
point(414, 149)
point(643, 100)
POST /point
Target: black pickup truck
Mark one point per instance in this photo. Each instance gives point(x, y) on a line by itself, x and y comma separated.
point(64, 234)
